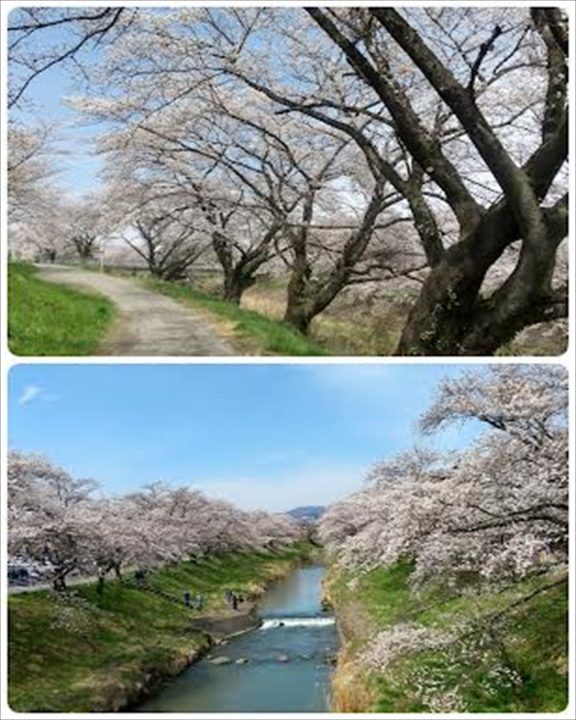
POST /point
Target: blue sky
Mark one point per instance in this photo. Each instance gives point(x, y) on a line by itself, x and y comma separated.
point(78, 166)
point(272, 436)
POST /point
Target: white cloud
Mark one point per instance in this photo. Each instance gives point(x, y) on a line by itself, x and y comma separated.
point(30, 393)
point(34, 392)
point(305, 486)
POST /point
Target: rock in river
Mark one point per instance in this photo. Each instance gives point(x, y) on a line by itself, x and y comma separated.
point(282, 658)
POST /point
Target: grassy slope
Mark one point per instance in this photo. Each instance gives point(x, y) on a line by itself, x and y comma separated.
point(534, 640)
point(348, 326)
point(47, 319)
point(252, 332)
point(84, 654)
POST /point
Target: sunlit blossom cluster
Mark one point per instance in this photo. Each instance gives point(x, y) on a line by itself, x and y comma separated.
point(498, 509)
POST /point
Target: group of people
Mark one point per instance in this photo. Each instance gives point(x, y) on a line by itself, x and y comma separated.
point(233, 598)
point(196, 602)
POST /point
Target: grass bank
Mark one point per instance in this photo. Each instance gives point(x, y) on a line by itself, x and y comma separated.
point(250, 331)
point(528, 640)
point(48, 319)
point(87, 652)
point(351, 325)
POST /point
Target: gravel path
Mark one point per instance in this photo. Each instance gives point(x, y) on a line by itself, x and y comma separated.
point(148, 323)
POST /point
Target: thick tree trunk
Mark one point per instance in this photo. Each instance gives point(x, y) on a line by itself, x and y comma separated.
point(443, 311)
point(238, 273)
point(302, 308)
point(297, 316)
point(59, 582)
point(234, 286)
point(298, 312)
point(85, 253)
point(450, 316)
point(236, 283)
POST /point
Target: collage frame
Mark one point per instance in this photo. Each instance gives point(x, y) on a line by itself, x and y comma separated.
point(9, 361)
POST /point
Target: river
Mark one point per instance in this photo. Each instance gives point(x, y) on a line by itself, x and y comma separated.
point(288, 659)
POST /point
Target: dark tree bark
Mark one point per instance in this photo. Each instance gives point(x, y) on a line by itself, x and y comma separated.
point(309, 294)
point(168, 254)
point(27, 24)
point(235, 283)
point(59, 580)
point(85, 244)
point(59, 583)
point(240, 265)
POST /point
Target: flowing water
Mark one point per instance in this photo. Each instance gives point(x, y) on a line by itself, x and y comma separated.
point(288, 659)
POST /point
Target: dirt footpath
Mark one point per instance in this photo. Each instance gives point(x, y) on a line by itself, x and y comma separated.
point(148, 323)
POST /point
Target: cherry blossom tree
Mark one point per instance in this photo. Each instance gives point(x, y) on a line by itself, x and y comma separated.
point(451, 316)
point(426, 85)
point(176, 175)
point(273, 532)
point(490, 515)
point(450, 120)
point(37, 234)
point(168, 237)
point(57, 519)
point(30, 169)
point(43, 220)
point(498, 509)
point(52, 225)
point(84, 224)
point(85, 29)
point(282, 165)
point(51, 516)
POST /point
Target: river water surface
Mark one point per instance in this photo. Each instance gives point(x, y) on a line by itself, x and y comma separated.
point(288, 659)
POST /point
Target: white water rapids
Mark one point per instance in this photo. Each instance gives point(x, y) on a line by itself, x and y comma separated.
point(270, 623)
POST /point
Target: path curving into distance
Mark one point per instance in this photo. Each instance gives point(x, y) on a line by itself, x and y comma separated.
point(148, 323)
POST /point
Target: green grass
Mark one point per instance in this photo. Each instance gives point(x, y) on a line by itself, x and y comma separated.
point(252, 333)
point(48, 319)
point(531, 639)
point(88, 653)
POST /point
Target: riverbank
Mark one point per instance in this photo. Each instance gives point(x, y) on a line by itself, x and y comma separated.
point(513, 657)
point(83, 651)
point(283, 666)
